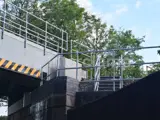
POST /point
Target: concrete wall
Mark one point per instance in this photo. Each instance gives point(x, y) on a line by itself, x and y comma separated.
point(12, 48)
point(68, 63)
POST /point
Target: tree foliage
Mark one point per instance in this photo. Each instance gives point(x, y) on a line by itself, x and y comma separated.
point(87, 29)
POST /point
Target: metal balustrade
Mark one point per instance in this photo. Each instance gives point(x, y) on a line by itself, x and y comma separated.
point(22, 23)
point(106, 85)
point(93, 82)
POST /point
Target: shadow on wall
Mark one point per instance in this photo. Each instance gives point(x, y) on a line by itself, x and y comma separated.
point(139, 101)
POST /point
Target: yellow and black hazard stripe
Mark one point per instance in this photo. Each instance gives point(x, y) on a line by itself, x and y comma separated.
point(19, 68)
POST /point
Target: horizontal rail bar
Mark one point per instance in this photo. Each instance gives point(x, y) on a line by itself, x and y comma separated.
point(79, 44)
point(112, 80)
point(49, 61)
point(35, 26)
point(85, 67)
point(35, 16)
point(111, 50)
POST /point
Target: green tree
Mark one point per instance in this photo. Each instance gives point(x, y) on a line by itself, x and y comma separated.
point(124, 39)
point(65, 14)
point(87, 29)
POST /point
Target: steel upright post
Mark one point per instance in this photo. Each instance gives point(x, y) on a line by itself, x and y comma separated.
point(25, 41)
point(77, 61)
point(4, 19)
point(45, 44)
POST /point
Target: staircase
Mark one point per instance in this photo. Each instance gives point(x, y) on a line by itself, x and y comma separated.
point(109, 85)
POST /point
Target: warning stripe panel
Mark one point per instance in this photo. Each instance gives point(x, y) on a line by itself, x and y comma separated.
point(38, 74)
point(19, 68)
point(2, 61)
point(27, 70)
point(33, 71)
point(8, 64)
point(14, 67)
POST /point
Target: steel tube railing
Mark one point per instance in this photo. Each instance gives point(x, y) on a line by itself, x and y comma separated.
point(48, 36)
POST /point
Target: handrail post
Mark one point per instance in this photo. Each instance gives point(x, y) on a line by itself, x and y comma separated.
point(114, 85)
point(77, 61)
point(91, 68)
point(71, 50)
point(20, 27)
point(58, 48)
point(37, 38)
point(25, 41)
point(4, 19)
point(49, 71)
point(62, 43)
point(67, 40)
point(45, 44)
point(58, 65)
point(114, 66)
point(121, 69)
point(41, 75)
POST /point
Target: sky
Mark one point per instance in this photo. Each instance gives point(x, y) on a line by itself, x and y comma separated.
point(140, 16)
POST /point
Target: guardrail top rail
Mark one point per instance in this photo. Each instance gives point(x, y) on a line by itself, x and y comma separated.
point(30, 27)
point(91, 67)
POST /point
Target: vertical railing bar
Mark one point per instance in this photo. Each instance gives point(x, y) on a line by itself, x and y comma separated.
point(121, 71)
point(25, 40)
point(58, 48)
point(71, 49)
point(114, 66)
point(91, 68)
point(77, 61)
point(58, 65)
point(41, 75)
point(62, 43)
point(114, 86)
point(4, 19)
point(49, 70)
point(45, 43)
point(37, 38)
point(67, 40)
point(20, 30)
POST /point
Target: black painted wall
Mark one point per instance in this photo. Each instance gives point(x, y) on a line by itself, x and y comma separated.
point(83, 98)
point(139, 101)
point(50, 101)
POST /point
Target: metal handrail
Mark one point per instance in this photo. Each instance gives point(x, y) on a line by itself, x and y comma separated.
point(34, 16)
point(106, 85)
point(49, 39)
point(111, 80)
point(31, 34)
point(32, 26)
point(101, 65)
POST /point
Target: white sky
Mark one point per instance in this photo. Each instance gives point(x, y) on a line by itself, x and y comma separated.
point(3, 111)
